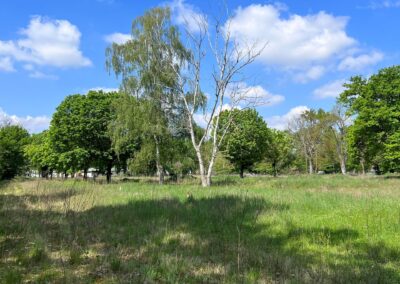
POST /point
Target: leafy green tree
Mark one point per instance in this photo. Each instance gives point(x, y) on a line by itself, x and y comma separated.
point(309, 131)
point(375, 103)
point(13, 139)
point(41, 155)
point(246, 140)
point(79, 133)
point(280, 151)
point(148, 75)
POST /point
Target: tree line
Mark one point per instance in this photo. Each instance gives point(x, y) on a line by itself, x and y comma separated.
point(148, 127)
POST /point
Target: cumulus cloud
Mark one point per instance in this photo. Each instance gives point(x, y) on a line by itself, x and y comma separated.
point(186, 14)
point(33, 124)
point(6, 65)
point(293, 42)
point(281, 122)
point(356, 63)
point(256, 94)
point(47, 43)
point(118, 38)
point(313, 73)
point(330, 90)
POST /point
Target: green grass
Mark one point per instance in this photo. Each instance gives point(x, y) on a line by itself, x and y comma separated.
point(325, 229)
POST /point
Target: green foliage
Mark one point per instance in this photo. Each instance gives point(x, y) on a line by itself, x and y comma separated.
point(12, 142)
point(280, 151)
point(375, 102)
point(246, 139)
point(40, 154)
point(79, 132)
point(310, 132)
point(149, 117)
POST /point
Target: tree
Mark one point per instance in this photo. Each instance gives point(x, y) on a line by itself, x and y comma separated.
point(41, 155)
point(280, 151)
point(228, 59)
point(309, 130)
point(246, 140)
point(79, 133)
point(13, 138)
point(339, 121)
point(146, 66)
point(375, 103)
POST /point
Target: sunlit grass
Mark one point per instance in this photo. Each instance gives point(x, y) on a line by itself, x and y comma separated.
point(329, 229)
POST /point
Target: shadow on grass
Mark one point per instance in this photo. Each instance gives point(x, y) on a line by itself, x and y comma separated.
point(216, 239)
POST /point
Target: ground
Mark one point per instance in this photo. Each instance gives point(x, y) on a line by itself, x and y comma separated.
point(297, 229)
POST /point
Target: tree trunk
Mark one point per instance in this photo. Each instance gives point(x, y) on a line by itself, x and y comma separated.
point(109, 168)
point(275, 172)
point(160, 168)
point(241, 172)
point(362, 166)
point(343, 165)
point(310, 167)
point(211, 165)
point(85, 174)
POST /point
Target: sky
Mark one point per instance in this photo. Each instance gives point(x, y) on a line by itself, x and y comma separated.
point(52, 49)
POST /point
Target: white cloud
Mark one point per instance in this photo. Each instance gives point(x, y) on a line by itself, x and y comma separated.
point(313, 73)
point(293, 42)
point(355, 63)
point(258, 94)
point(47, 43)
point(186, 14)
point(104, 89)
point(281, 122)
point(6, 64)
point(32, 124)
point(383, 4)
point(40, 75)
point(118, 38)
point(330, 90)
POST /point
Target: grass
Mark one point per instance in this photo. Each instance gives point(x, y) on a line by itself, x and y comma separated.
point(326, 229)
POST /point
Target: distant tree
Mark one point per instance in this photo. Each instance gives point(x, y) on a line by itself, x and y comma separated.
point(41, 155)
point(280, 151)
point(79, 133)
point(375, 103)
point(309, 131)
point(13, 138)
point(247, 139)
point(339, 124)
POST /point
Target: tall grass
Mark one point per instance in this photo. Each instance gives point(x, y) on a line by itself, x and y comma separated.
point(306, 229)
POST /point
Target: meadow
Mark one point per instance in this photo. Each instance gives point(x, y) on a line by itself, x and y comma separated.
point(295, 229)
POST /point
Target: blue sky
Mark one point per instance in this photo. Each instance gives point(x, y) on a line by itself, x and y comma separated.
point(50, 49)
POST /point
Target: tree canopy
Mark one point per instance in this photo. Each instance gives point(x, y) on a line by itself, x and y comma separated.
point(246, 140)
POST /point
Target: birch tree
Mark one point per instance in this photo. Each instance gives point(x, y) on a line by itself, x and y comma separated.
point(147, 75)
point(229, 59)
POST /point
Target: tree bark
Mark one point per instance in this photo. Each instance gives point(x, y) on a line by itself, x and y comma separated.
point(275, 172)
point(310, 167)
point(85, 171)
point(109, 173)
point(362, 166)
point(160, 168)
point(241, 172)
point(343, 166)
